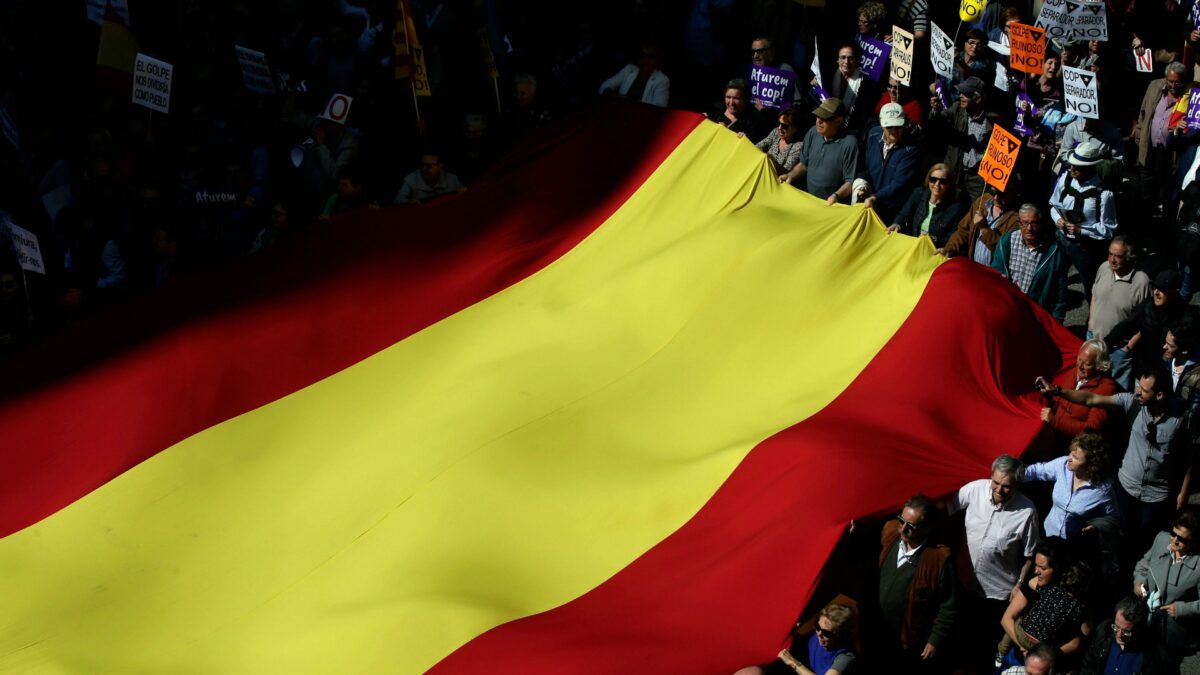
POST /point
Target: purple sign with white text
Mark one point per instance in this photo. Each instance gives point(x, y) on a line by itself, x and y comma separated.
point(772, 87)
point(1025, 111)
point(876, 57)
point(1193, 109)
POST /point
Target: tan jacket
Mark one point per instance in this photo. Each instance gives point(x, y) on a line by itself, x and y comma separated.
point(1154, 93)
point(962, 242)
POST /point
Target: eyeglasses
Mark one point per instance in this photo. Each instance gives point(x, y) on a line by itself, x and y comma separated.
point(785, 126)
point(847, 57)
point(1123, 632)
point(907, 526)
point(893, 87)
point(1180, 538)
point(939, 180)
point(764, 50)
point(821, 632)
point(973, 43)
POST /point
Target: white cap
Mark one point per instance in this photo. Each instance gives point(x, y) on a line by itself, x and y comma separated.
point(892, 115)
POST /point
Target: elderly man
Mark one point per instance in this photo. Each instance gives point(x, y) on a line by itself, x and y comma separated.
point(829, 157)
point(890, 161)
point(917, 596)
point(1002, 532)
point(1152, 129)
point(1152, 470)
point(968, 126)
point(1091, 374)
point(1126, 645)
point(1034, 262)
point(1117, 289)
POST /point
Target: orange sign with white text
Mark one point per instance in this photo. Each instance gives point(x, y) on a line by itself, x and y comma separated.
point(1027, 48)
point(1000, 158)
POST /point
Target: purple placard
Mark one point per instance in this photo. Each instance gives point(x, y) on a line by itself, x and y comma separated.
point(772, 87)
point(1193, 109)
point(820, 94)
point(876, 57)
point(1025, 112)
point(1195, 15)
point(940, 88)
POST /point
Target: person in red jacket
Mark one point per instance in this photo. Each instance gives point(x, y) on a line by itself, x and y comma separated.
point(1068, 419)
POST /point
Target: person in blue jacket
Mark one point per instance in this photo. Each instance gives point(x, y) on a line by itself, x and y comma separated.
point(889, 163)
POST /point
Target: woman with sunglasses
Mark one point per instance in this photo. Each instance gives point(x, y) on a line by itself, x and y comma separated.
point(933, 209)
point(1168, 579)
point(782, 144)
point(828, 651)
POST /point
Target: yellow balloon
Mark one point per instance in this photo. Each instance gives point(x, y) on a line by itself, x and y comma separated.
point(971, 10)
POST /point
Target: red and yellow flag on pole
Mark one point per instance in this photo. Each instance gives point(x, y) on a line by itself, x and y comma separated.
point(586, 417)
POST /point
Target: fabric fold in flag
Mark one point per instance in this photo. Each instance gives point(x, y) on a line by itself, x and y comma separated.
point(602, 464)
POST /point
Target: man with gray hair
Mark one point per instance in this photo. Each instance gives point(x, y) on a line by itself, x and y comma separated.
point(1152, 128)
point(1034, 262)
point(1118, 287)
point(1038, 661)
point(1092, 365)
point(1001, 532)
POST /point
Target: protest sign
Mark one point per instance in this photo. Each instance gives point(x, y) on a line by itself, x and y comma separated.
point(1195, 15)
point(1082, 96)
point(96, 9)
point(338, 108)
point(24, 245)
point(1000, 158)
point(1192, 114)
point(971, 10)
point(1028, 48)
point(1055, 20)
point(772, 87)
point(1025, 111)
point(818, 94)
point(816, 68)
point(1089, 20)
point(256, 74)
point(902, 55)
point(876, 55)
point(941, 53)
point(939, 88)
point(1143, 62)
point(152, 83)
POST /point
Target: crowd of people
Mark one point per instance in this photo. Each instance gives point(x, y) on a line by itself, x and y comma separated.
point(1095, 572)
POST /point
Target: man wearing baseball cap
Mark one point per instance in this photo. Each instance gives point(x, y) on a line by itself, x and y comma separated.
point(829, 157)
point(889, 164)
point(968, 126)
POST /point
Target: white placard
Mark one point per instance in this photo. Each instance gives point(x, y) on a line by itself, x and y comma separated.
point(1089, 20)
point(1055, 19)
point(941, 53)
point(255, 71)
point(1001, 82)
point(902, 55)
point(1082, 96)
point(25, 245)
point(816, 66)
point(96, 9)
point(152, 83)
point(1144, 62)
point(338, 108)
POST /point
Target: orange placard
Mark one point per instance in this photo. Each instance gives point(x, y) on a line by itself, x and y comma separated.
point(1000, 158)
point(1027, 48)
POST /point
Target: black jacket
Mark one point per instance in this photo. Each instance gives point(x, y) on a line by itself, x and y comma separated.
point(943, 223)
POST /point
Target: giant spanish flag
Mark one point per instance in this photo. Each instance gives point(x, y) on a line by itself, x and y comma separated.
point(608, 411)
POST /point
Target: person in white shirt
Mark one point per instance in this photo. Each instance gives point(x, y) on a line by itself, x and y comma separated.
point(641, 82)
point(1001, 532)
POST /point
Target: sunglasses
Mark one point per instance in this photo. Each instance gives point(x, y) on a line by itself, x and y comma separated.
point(893, 87)
point(1181, 539)
point(784, 126)
point(935, 180)
point(907, 526)
point(764, 50)
point(821, 632)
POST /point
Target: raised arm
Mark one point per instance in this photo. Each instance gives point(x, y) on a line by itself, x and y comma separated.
point(1087, 398)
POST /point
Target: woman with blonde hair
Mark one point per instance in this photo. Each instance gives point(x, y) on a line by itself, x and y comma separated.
point(828, 651)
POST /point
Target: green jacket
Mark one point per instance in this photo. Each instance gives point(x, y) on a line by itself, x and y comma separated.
point(1049, 285)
